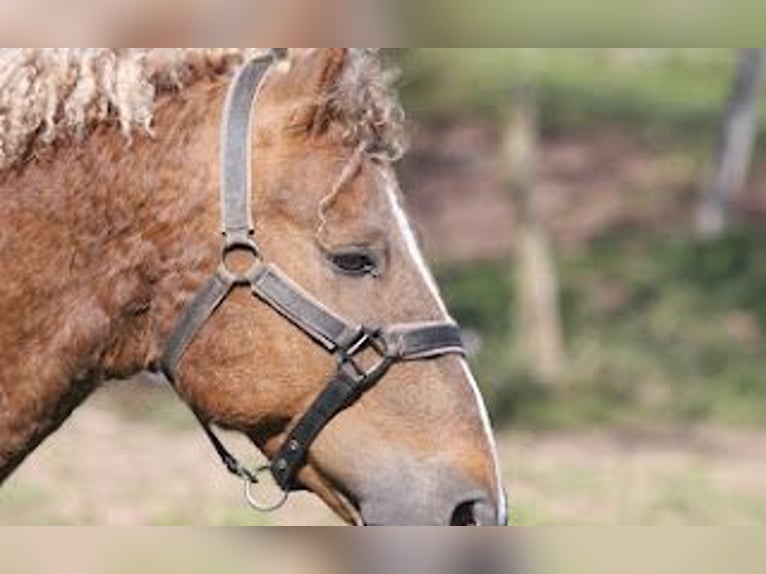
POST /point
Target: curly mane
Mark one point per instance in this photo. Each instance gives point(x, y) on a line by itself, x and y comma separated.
point(49, 95)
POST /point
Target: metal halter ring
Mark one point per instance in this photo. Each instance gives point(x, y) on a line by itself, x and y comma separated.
point(239, 245)
point(257, 504)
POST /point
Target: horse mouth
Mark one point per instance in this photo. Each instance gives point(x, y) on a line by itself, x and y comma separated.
point(409, 506)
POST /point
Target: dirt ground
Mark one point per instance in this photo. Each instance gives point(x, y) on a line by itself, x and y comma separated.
point(123, 460)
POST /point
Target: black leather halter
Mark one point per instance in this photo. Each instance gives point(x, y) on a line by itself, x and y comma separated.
point(345, 340)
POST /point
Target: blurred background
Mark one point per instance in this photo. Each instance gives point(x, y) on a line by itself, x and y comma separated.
point(595, 219)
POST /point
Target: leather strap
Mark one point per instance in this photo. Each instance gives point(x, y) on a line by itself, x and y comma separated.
point(425, 341)
point(340, 393)
point(192, 319)
point(301, 309)
point(236, 160)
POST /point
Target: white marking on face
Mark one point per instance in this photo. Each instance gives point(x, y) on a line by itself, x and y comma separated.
point(407, 233)
point(410, 241)
point(473, 383)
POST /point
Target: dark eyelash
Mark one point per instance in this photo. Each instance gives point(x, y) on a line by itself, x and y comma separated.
point(357, 263)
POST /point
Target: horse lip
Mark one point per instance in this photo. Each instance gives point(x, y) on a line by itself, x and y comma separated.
point(352, 507)
point(356, 514)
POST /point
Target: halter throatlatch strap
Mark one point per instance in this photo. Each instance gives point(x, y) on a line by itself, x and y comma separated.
point(193, 318)
point(344, 340)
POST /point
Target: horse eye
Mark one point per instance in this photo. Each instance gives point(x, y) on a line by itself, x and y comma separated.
point(355, 263)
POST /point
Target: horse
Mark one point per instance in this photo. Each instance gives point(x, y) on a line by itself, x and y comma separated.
point(110, 162)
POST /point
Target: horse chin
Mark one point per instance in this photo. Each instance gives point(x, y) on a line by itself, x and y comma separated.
point(341, 504)
point(345, 509)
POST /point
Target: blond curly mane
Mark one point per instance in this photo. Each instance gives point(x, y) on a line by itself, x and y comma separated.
point(50, 95)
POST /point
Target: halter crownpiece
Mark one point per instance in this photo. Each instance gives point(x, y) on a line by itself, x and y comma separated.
point(345, 340)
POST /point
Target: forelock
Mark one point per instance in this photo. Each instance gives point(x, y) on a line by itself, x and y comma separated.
point(366, 102)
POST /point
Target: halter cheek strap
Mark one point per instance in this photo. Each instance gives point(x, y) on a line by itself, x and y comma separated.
point(345, 340)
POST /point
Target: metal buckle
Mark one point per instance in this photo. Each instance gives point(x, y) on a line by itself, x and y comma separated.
point(264, 507)
point(368, 338)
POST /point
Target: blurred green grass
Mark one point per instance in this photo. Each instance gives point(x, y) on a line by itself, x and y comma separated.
point(663, 90)
point(659, 330)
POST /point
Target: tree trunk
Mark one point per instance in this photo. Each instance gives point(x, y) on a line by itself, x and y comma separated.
point(540, 331)
point(735, 147)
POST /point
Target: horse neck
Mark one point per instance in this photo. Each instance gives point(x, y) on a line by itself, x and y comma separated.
point(99, 245)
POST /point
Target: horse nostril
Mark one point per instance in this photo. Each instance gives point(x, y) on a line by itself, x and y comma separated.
point(478, 512)
point(464, 515)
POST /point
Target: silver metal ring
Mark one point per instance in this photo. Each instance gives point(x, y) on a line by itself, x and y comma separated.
point(257, 504)
point(239, 246)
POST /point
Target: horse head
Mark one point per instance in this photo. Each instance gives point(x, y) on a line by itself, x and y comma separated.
point(416, 447)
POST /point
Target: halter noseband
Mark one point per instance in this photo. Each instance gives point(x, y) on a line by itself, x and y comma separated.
point(344, 340)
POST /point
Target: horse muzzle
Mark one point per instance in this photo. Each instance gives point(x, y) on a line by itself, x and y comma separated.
point(438, 498)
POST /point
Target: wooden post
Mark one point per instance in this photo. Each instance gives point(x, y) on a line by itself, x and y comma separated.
point(735, 147)
point(537, 308)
